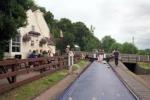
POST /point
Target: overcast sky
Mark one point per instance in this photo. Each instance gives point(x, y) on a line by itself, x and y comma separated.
point(122, 19)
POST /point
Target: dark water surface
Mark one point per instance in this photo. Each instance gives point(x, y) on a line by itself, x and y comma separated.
point(98, 82)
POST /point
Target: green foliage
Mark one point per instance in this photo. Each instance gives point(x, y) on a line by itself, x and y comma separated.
point(74, 33)
point(115, 46)
point(90, 43)
point(147, 51)
point(28, 91)
point(144, 52)
point(144, 65)
point(84, 38)
point(107, 42)
point(63, 42)
point(141, 52)
point(129, 48)
point(65, 25)
point(49, 17)
point(13, 16)
point(81, 65)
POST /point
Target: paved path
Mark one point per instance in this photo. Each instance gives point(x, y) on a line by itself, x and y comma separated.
point(146, 79)
point(136, 83)
point(98, 82)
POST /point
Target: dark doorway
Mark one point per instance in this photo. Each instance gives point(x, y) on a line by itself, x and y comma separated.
point(131, 66)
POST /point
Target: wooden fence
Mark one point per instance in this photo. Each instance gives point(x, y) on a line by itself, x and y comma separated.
point(14, 73)
point(133, 58)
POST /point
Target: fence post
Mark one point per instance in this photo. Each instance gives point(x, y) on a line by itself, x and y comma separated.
point(139, 58)
point(148, 58)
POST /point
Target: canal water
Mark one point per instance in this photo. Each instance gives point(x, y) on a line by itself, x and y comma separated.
point(98, 82)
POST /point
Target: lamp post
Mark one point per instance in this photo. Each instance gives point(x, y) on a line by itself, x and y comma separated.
point(133, 39)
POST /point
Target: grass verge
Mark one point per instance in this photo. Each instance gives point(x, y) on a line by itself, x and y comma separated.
point(80, 65)
point(144, 65)
point(28, 91)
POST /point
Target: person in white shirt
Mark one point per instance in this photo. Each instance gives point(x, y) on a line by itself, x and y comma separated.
point(101, 56)
point(70, 60)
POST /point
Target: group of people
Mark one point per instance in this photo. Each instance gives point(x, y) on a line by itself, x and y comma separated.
point(41, 53)
point(69, 51)
point(102, 56)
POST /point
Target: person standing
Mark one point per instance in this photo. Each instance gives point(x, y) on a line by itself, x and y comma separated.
point(71, 62)
point(41, 53)
point(100, 55)
point(67, 49)
point(116, 56)
point(33, 54)
point(70, 58)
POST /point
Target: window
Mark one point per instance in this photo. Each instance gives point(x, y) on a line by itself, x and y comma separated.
point(16, 44)
point(32, 43)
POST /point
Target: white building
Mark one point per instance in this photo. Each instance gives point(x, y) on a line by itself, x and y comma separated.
point(34, 36)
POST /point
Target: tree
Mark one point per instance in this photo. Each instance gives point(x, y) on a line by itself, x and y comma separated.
point(141, 52)
point(144, 52)
point(107, 42)
point(115, 46)
point(12, 16)
point(65, 25)
point(90, 43)
point(82, 35)
point(129, 48)
point(74, 33)
point(68, 39)
point(49, 18)
point(147, 51)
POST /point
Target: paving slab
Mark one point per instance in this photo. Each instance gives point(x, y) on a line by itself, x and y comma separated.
point(137, 84)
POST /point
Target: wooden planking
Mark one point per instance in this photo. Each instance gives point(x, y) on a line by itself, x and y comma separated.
point(135, 83)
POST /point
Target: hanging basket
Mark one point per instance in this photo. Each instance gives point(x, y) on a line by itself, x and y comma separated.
point(33, 33)
point(42, 41)
point(50, 41)
point(26, 38)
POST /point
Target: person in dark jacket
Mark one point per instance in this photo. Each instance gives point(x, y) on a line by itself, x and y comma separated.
point(33, 54)
point(116, 56)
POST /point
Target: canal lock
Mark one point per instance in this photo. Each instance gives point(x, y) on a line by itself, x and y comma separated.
point(136, 69)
